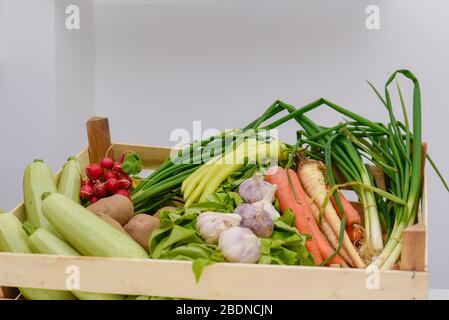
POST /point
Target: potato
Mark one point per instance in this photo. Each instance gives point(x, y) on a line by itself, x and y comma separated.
point(111, 221)
point(118, 207)
point(140, 227)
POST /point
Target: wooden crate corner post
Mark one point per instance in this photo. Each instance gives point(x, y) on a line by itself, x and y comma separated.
point(414, 248)
point(99, 137)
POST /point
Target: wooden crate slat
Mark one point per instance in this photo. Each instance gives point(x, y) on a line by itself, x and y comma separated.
point(220, 281)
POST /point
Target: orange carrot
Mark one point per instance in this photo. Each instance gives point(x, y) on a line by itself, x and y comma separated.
point(352, 216)
point(353, 220)
point(312, 178)
point(284, 195)
point(355, 232)
point(305, 222)
point(328, 232)
point(301, 198)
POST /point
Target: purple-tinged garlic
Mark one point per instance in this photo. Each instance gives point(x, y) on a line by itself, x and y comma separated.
point(255, 189)
point(256, 218)
point(239, 244)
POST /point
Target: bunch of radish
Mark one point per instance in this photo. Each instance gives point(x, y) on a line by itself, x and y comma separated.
point(105, 179)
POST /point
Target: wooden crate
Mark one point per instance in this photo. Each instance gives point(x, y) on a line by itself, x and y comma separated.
point(168, 278)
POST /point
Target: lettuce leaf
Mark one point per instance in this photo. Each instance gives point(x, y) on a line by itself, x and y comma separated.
point(178, 239)
point(286, 246)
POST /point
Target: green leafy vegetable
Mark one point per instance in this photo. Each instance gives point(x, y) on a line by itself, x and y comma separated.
point(178, 239)
point(286, 246)
point(131, 164)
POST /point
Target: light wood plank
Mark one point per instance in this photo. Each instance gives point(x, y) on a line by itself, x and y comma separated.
point(219, 281)
point(152, 157)
point(414, 248)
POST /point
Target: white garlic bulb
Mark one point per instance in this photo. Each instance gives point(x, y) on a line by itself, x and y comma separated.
point(239, 244)
point(267, 202)
point(211, 224)
point(255, 189)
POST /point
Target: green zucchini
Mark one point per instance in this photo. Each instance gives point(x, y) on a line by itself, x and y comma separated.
point(87, 232)
point(70, 180)
point(37, 179)
point(42, 241)
point(14, 239)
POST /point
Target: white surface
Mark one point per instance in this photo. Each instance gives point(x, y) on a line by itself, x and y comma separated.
point(438, 294)
point(219, 61)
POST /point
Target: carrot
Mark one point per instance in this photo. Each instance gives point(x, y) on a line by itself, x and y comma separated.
point(328, 232)
point(355, 232)
point(312, 178)
point(284, 195)
point(305, 222)
point(353, 220)
point(352, 216)
point(301, 198)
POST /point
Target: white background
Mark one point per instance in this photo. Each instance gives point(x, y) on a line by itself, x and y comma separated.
point(153, 66)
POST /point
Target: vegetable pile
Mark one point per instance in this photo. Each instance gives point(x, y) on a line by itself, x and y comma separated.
point(240, 197)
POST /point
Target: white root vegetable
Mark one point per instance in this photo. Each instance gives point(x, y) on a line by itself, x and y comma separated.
point(329, 233)
point(312, 178)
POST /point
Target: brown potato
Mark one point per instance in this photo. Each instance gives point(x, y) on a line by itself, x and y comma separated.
point(140, 227)
point(112, 222)
point(118, 207)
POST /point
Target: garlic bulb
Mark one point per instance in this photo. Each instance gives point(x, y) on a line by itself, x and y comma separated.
point(239, 244)
point(267, 202)
point(255, 218)
point(211, 224)
point(255, 189)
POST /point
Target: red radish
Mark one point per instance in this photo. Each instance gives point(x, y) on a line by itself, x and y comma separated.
point(93, 200)
point(112, 185)
point(122, 158)
point(94, 171)
point(107, 163)
point(87, 182)
point(124, 183)
point(117, 168)
point(109, 175)
point(126, 177)
point(86, 192)
point(123, 192)
point(100, 190)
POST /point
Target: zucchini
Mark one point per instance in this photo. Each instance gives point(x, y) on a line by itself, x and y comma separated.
point(86, 232)
point(45, 242)
point(70, 180)
point(37, 179)
point(14, 239)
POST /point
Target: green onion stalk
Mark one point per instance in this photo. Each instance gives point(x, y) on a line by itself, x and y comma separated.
point(390, 147)
point(408, 159)
point(345, 156)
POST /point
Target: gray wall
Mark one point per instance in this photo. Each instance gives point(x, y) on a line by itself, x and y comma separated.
point(159, 65)
point(46, 87)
